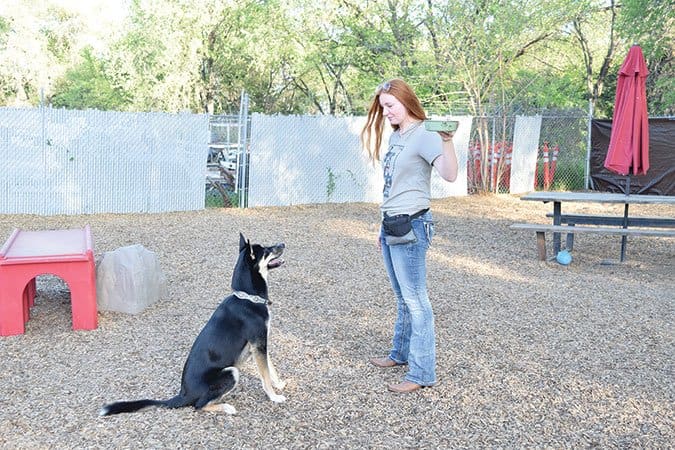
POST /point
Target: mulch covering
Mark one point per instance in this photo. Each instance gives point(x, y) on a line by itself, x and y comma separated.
point(530, 353)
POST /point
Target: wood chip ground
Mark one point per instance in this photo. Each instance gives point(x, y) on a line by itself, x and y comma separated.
point(530, 353)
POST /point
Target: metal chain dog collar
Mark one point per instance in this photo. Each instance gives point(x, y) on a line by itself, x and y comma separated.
point(253, 298)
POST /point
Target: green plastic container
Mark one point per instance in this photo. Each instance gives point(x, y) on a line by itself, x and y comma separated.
point(449, 126)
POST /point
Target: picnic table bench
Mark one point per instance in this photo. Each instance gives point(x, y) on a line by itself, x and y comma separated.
point(623, 226)
point(591, 219)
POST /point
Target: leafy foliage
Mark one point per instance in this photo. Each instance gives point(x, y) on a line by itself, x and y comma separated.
point(87, 86)
point(294, 56)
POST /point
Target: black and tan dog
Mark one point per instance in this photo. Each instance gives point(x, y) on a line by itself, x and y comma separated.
point(238, 328)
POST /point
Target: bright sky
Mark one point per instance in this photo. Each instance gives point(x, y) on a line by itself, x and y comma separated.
point(103, 10)
point(103, 17)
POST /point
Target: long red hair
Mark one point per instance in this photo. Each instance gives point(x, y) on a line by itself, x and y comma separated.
point(371, 135)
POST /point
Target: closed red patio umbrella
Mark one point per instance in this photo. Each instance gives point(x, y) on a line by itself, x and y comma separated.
point(629, 141)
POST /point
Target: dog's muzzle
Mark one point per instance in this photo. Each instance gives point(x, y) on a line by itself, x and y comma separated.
point(276, 260)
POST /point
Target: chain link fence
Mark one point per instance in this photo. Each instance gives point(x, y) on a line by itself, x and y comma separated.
point(71, 162)
point(59, 161)
point(560, 161)
point(318, 159)
point(226, 145)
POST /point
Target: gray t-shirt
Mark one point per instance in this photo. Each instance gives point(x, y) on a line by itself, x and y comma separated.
point(407, 170)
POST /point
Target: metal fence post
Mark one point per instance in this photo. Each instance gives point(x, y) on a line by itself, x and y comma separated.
point(43, 148)
point(243, 164)
point(587, 171)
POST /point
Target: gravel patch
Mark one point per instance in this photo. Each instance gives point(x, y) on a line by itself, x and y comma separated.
point(530, 353)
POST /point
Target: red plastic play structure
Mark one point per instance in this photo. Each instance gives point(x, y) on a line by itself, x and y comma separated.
point(67, 254)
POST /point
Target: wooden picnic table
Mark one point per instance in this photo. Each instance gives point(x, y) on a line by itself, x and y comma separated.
point(639, 225)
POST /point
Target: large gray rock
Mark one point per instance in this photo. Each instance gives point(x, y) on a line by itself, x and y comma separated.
point(129, 279)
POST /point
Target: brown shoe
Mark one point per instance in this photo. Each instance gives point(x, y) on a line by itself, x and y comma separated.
point(404, 387)
point(384, 362)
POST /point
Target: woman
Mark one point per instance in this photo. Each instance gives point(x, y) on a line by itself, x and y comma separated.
point(412, 151)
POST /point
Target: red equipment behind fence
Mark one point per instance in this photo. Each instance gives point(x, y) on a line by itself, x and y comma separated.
point(499, 169)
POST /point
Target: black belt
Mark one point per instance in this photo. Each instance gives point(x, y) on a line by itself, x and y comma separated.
point(413, 216)
point(419, 213)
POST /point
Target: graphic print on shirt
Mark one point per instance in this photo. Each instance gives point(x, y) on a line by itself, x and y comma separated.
point(389, 164)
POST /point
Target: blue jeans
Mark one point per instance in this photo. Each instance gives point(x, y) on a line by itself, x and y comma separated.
point(414, 341)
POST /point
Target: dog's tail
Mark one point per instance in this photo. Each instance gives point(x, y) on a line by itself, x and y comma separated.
point(137, 405)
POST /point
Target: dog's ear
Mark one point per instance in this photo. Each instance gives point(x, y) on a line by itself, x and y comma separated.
point(245, 244)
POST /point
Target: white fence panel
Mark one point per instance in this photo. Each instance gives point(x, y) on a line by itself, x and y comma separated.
point(441, 188)
point(309, 159)
point(524, 156)
point(85, 162)
point(319, 159)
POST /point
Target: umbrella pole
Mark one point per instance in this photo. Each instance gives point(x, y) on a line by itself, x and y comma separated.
point(625, 220)
point(627, 188)
point(624, 237)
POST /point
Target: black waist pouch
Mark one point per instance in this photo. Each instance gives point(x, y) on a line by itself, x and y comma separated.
point(398, 225)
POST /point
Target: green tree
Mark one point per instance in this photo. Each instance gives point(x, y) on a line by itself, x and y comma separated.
point(251, 50)
point(385, 39)
point(594, 30)
point(650, 24)
point(200, 56)
point(480, 44)
point(87, 86)
point(40, 40)
point(157, 60)
point(294, 56)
